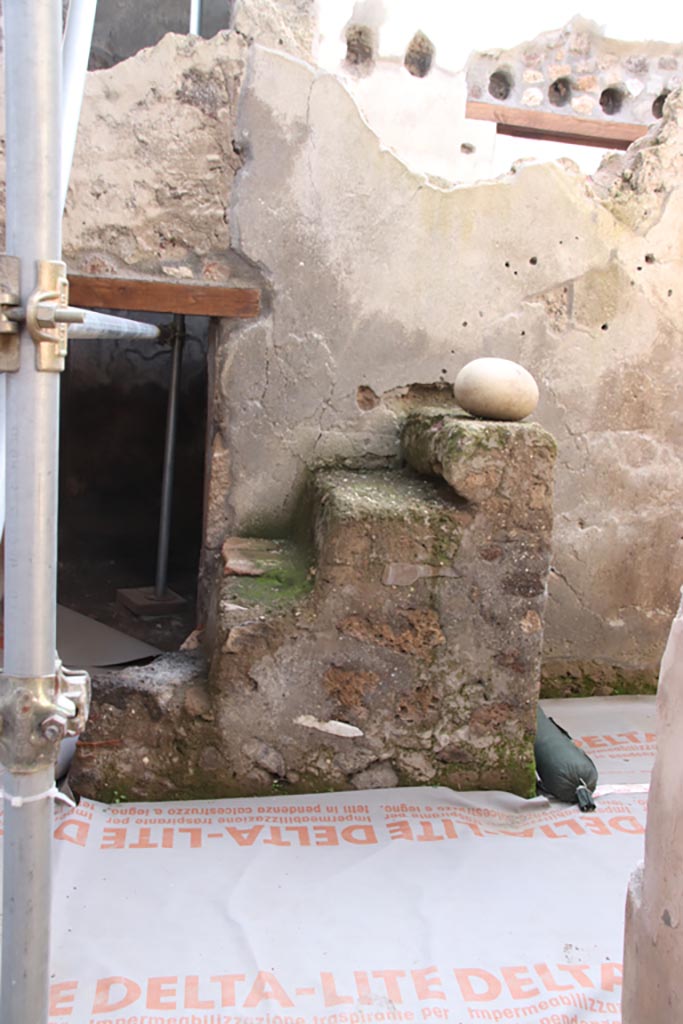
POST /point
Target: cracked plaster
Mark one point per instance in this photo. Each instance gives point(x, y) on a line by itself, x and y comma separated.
point(378, 278)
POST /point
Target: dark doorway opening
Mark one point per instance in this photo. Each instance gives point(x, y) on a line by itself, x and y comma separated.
point(113, 420)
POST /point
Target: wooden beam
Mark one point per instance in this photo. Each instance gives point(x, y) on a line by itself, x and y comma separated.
point(164, 297)
point(539, 124)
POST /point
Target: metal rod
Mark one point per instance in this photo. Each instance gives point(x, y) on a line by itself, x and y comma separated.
point(111, 328)
point(169, 457)
point(33, 90)
point(83, 323)
point(75, 54)
point(3, 448)
point(195, 17)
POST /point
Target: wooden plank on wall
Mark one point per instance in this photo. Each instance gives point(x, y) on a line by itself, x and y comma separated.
point(539, 124)
point(139, 295)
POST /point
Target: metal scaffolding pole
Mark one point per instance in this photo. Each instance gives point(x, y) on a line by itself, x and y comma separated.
point(111, 328)
point(169, 458)
point(33, 89)
point(40, 701)
point(80, 21)
point(195, 17)
point(159, 599)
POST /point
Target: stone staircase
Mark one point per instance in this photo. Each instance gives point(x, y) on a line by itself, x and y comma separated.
point(404, 648)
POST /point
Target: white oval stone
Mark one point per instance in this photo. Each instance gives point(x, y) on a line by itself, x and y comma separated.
point(496, 389)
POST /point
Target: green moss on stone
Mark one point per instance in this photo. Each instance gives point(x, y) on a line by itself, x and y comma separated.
point(387, 497)
point(597, 681)
point(514, 770)
point(433, 437)
point(519, 768)
point(467, 440)
point(378, 494)
point(285, 580)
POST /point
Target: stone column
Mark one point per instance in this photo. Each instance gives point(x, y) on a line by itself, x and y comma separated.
point(653, 945)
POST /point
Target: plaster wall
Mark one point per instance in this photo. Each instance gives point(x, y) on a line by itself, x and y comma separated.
point(373, 278)
point(379, 280)
point(422, 119)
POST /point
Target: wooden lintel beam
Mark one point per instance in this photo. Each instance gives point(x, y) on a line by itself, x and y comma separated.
point(138, 295)
point(539, 124)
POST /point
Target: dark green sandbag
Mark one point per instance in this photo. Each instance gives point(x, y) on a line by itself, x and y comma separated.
point(565, 771)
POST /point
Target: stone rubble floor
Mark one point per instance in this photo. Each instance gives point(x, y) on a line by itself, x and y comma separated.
point(347, 908)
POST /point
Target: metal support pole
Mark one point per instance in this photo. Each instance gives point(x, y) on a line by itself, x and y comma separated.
point(169, 457)
point(111, 328)
point(75, 54)
point(33, 89)
point(159, 600)
point(195, 17)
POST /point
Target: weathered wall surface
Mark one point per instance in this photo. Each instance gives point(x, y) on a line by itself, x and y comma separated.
point(154, 161)
point(380, 281)
point(290, 25)
point(155, 157)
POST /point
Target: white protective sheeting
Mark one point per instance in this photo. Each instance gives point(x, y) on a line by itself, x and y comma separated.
point(354, 908)
point(83, 641)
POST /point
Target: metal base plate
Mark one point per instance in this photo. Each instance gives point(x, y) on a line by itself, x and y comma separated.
point(144, 601)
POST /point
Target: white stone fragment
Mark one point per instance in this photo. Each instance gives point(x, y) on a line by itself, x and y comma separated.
point(532, 97)
point(496, 389)
point(333, 726)
point(583, 105)
point(404, 574)
point(559, 71)
point(182, 272)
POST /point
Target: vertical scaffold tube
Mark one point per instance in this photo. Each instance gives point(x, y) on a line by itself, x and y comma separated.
point(80, 20)
point(33, 92)
point(195, 17)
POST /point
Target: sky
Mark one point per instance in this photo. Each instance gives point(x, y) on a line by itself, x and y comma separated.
point(497, 24)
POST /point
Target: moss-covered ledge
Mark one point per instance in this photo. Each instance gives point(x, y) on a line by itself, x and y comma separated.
point(484, 460)
point(562, 678)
